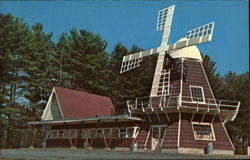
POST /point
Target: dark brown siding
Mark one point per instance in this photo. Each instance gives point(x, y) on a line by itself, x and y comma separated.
point(142, 136)
point(195, 76)
point(170, 139)
point(187, 137)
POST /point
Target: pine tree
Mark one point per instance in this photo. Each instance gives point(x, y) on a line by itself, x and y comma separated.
point(214, 78)
point(14, 39)
point(84, 61)
point(40, 70)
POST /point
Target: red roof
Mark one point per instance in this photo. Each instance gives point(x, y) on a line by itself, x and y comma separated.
point(78, 104)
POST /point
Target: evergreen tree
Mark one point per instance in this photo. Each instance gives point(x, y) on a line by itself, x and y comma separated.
point(134, 83)
point(40, 70)
point(14, 39)
point(237, 88)
point(214, 78)
point(84, 61)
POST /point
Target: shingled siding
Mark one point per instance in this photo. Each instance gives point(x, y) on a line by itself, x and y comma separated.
point(142, 136)
point(187, 137)
point(195, 76)
point(170, 139)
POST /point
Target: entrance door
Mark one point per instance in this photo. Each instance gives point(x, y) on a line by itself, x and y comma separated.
point(157, 138)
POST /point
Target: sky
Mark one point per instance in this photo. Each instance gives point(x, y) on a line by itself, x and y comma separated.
point(134, 22)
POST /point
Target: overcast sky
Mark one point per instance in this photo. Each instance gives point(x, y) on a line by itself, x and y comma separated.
point(135, 23)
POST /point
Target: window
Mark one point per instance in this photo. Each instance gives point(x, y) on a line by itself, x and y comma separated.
point(197, 94)
point(53, 134)
point(107, 132)
point(130, 132)
point(203, 131)
point(122, 133)
point(72, 133)
point(99, 133)
point(116, 133)
point(60, 134)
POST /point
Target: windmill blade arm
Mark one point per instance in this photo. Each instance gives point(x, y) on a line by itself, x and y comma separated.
point(134, 60)
point(186, 43)
point(205, 30)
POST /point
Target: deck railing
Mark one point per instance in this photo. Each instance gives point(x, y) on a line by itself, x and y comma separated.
point(162, 102)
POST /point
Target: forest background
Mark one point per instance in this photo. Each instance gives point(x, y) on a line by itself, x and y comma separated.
point(31, 63)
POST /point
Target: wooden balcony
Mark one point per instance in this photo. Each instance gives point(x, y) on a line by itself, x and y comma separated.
point(226, 109)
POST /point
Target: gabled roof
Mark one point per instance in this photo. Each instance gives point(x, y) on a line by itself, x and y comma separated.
point(78, 104)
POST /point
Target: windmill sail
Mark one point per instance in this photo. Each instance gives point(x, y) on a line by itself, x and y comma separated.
point(194, 37)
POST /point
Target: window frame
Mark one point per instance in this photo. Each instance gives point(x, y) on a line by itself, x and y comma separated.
point(202, 92)
point(204, 139)
point(54, 133)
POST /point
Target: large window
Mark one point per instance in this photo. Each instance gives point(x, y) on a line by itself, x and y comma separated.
point(62, 134)
point(197, 93)
point(129, 132)
point(203, 131)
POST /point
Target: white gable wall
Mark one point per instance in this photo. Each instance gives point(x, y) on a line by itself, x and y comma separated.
point(52, 110)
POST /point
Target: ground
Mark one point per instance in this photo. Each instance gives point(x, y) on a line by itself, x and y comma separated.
point(69, 154)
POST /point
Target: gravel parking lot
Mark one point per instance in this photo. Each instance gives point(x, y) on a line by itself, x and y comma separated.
point(68, 154)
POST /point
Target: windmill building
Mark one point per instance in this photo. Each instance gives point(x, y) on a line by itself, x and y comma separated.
point(181, 115)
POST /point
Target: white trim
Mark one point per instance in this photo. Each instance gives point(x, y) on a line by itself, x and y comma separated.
point(205, 124)
point(47, 106)
point(202, 92)
point(179, 130)
point(181, 84)
point(228, 135)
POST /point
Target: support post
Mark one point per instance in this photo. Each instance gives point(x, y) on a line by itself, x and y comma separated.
point(179, 130)
point(104, 139)
point(92, 139)
point(112, 134)
point(70, 139)
point(77, 138)
point(33, 137)
point(167, 115)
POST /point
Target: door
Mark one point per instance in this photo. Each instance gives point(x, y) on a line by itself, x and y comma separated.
point(157, 138)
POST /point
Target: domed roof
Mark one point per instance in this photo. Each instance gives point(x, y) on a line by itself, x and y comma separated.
point(191, 52)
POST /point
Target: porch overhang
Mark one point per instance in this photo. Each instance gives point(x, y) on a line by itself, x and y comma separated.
point(92, 120)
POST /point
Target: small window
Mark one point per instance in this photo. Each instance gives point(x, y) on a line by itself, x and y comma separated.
point(203, 131)
point(65, 134)
point(123, 133)
point(130, 132)
point(99, 133)
point(73, 133)
point(84, 133)
point(197, 93)
point(107, 132)
point(116, 133)
point(92, 133)
point(60, 134)
point(53, 134)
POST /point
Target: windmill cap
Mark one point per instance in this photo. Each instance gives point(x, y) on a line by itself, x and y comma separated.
point(190, 52)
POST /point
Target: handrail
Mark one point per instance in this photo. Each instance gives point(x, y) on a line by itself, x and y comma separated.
point(139, 103)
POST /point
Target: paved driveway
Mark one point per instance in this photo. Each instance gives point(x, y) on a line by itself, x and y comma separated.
point(69, 154)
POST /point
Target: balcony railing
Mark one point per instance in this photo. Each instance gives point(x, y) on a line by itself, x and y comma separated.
point(177, 101)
